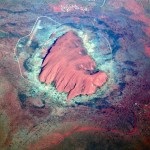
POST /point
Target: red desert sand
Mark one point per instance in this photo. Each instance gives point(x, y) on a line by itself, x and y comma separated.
point(70, 67)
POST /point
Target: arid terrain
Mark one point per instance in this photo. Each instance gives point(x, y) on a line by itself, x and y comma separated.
point(35, 116)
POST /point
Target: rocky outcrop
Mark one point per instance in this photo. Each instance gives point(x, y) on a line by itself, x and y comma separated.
point(70, 67)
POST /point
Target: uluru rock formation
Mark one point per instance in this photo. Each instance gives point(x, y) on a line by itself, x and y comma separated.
point(70, 67)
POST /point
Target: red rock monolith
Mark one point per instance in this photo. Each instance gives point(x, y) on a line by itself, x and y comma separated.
point(70, 67)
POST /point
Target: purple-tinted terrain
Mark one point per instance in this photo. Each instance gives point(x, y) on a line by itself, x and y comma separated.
point(37, 116)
